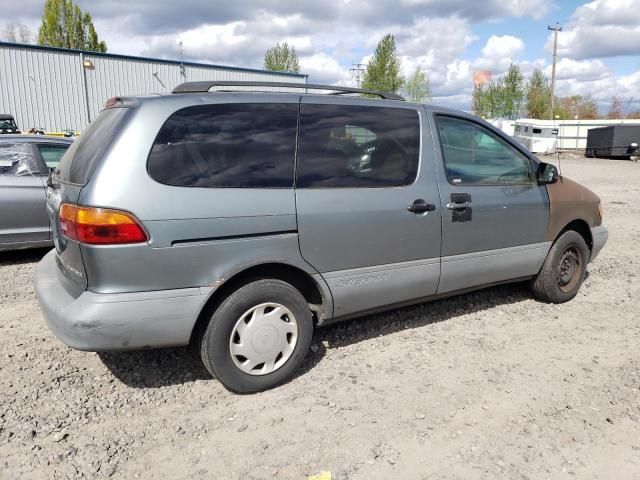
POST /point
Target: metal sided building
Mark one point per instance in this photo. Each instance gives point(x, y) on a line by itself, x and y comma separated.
point(57, 89)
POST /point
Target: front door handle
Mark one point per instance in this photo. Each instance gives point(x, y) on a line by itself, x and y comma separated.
point(458, 205)
point(420, 206)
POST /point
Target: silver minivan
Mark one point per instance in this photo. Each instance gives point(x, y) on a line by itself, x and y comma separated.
point(238, 221)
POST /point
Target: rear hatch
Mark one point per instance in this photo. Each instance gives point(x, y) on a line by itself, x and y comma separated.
point(67, 181)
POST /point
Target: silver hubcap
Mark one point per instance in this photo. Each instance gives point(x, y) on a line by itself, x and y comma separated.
point(263, 339)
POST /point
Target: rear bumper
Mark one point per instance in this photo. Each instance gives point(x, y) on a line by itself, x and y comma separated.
point(599, 235)
point(118, 321)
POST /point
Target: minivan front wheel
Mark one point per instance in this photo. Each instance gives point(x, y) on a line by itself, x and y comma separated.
point(258, 336)
point(563, 270)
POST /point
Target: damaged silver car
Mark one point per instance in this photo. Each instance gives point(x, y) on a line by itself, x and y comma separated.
point(25, 163)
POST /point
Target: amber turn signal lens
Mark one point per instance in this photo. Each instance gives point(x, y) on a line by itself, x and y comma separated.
point(100, 226)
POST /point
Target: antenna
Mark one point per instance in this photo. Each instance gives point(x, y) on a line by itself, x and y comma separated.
point(559, 164)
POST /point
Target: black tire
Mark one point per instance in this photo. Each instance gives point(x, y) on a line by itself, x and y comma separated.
point(215, 349)
point(563, 270)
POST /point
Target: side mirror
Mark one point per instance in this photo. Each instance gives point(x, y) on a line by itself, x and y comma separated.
point(547, 174)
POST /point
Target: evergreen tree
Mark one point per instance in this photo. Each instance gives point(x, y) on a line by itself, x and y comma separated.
point(65, 25)
point(383, 70)
point(538, 95)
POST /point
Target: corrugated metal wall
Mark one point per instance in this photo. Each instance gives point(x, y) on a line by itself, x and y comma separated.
point(44, 87)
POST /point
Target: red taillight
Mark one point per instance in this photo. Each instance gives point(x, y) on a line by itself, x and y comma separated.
point(100, 226)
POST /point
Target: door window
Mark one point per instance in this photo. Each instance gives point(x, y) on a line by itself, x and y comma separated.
point(357, 146)
point(17, 159)
point(227, 145)
point(474, 155)
point(51, 154)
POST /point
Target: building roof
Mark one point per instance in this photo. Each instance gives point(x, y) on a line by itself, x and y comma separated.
point(146, 59)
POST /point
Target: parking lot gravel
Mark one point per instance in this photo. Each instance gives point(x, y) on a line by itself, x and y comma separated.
point(492, 384)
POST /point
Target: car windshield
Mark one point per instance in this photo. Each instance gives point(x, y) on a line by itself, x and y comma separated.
point(8, 124)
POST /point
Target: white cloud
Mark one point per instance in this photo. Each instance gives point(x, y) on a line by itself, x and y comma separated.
point(504, 46)
point(580, 70)
point(500, 52)
point(324, 69)
point(591, 78)
point(602, 28)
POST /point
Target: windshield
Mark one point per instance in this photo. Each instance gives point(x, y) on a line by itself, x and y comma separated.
point(8, 124)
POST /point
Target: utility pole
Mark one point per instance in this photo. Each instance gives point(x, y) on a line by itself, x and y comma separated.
point(556, 28)
point(356, 71)
point(183, 73)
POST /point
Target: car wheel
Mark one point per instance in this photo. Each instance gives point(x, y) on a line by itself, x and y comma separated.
point(563, 270)
point(258, 337)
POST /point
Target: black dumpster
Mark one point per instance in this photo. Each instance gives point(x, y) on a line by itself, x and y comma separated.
point(613, 141)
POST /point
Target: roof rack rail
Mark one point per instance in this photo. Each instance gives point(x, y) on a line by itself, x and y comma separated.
point(205, 86)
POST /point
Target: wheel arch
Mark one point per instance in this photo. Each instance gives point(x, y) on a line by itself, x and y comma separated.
point(317, 295)
point(582, 227)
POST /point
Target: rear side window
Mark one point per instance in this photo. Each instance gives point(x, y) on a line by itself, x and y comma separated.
point(227, 145)
point(51, 154)
point(357, 146)
point(81, 159)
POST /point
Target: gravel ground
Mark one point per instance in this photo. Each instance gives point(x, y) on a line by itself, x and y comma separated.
point(487, 385)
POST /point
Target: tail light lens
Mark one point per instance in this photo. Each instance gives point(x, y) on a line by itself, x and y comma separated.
point(100, 226)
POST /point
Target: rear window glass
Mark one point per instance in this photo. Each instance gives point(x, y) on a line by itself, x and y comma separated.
point(227, 145)
point(81, 159)
point(51, 154)
point(17, 159)
point(357, 146)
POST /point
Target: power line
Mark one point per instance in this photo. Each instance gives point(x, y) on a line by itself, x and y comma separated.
point(556, 28)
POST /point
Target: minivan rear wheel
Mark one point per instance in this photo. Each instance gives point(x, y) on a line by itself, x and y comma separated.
point(258, 337)
point(563, 270)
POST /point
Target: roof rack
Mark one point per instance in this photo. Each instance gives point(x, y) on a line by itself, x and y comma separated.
point(205, 86)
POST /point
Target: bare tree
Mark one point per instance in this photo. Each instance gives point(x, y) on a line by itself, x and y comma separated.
point(615, 112)
point(17, 32)
point(10, 32)
point(25, 35)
